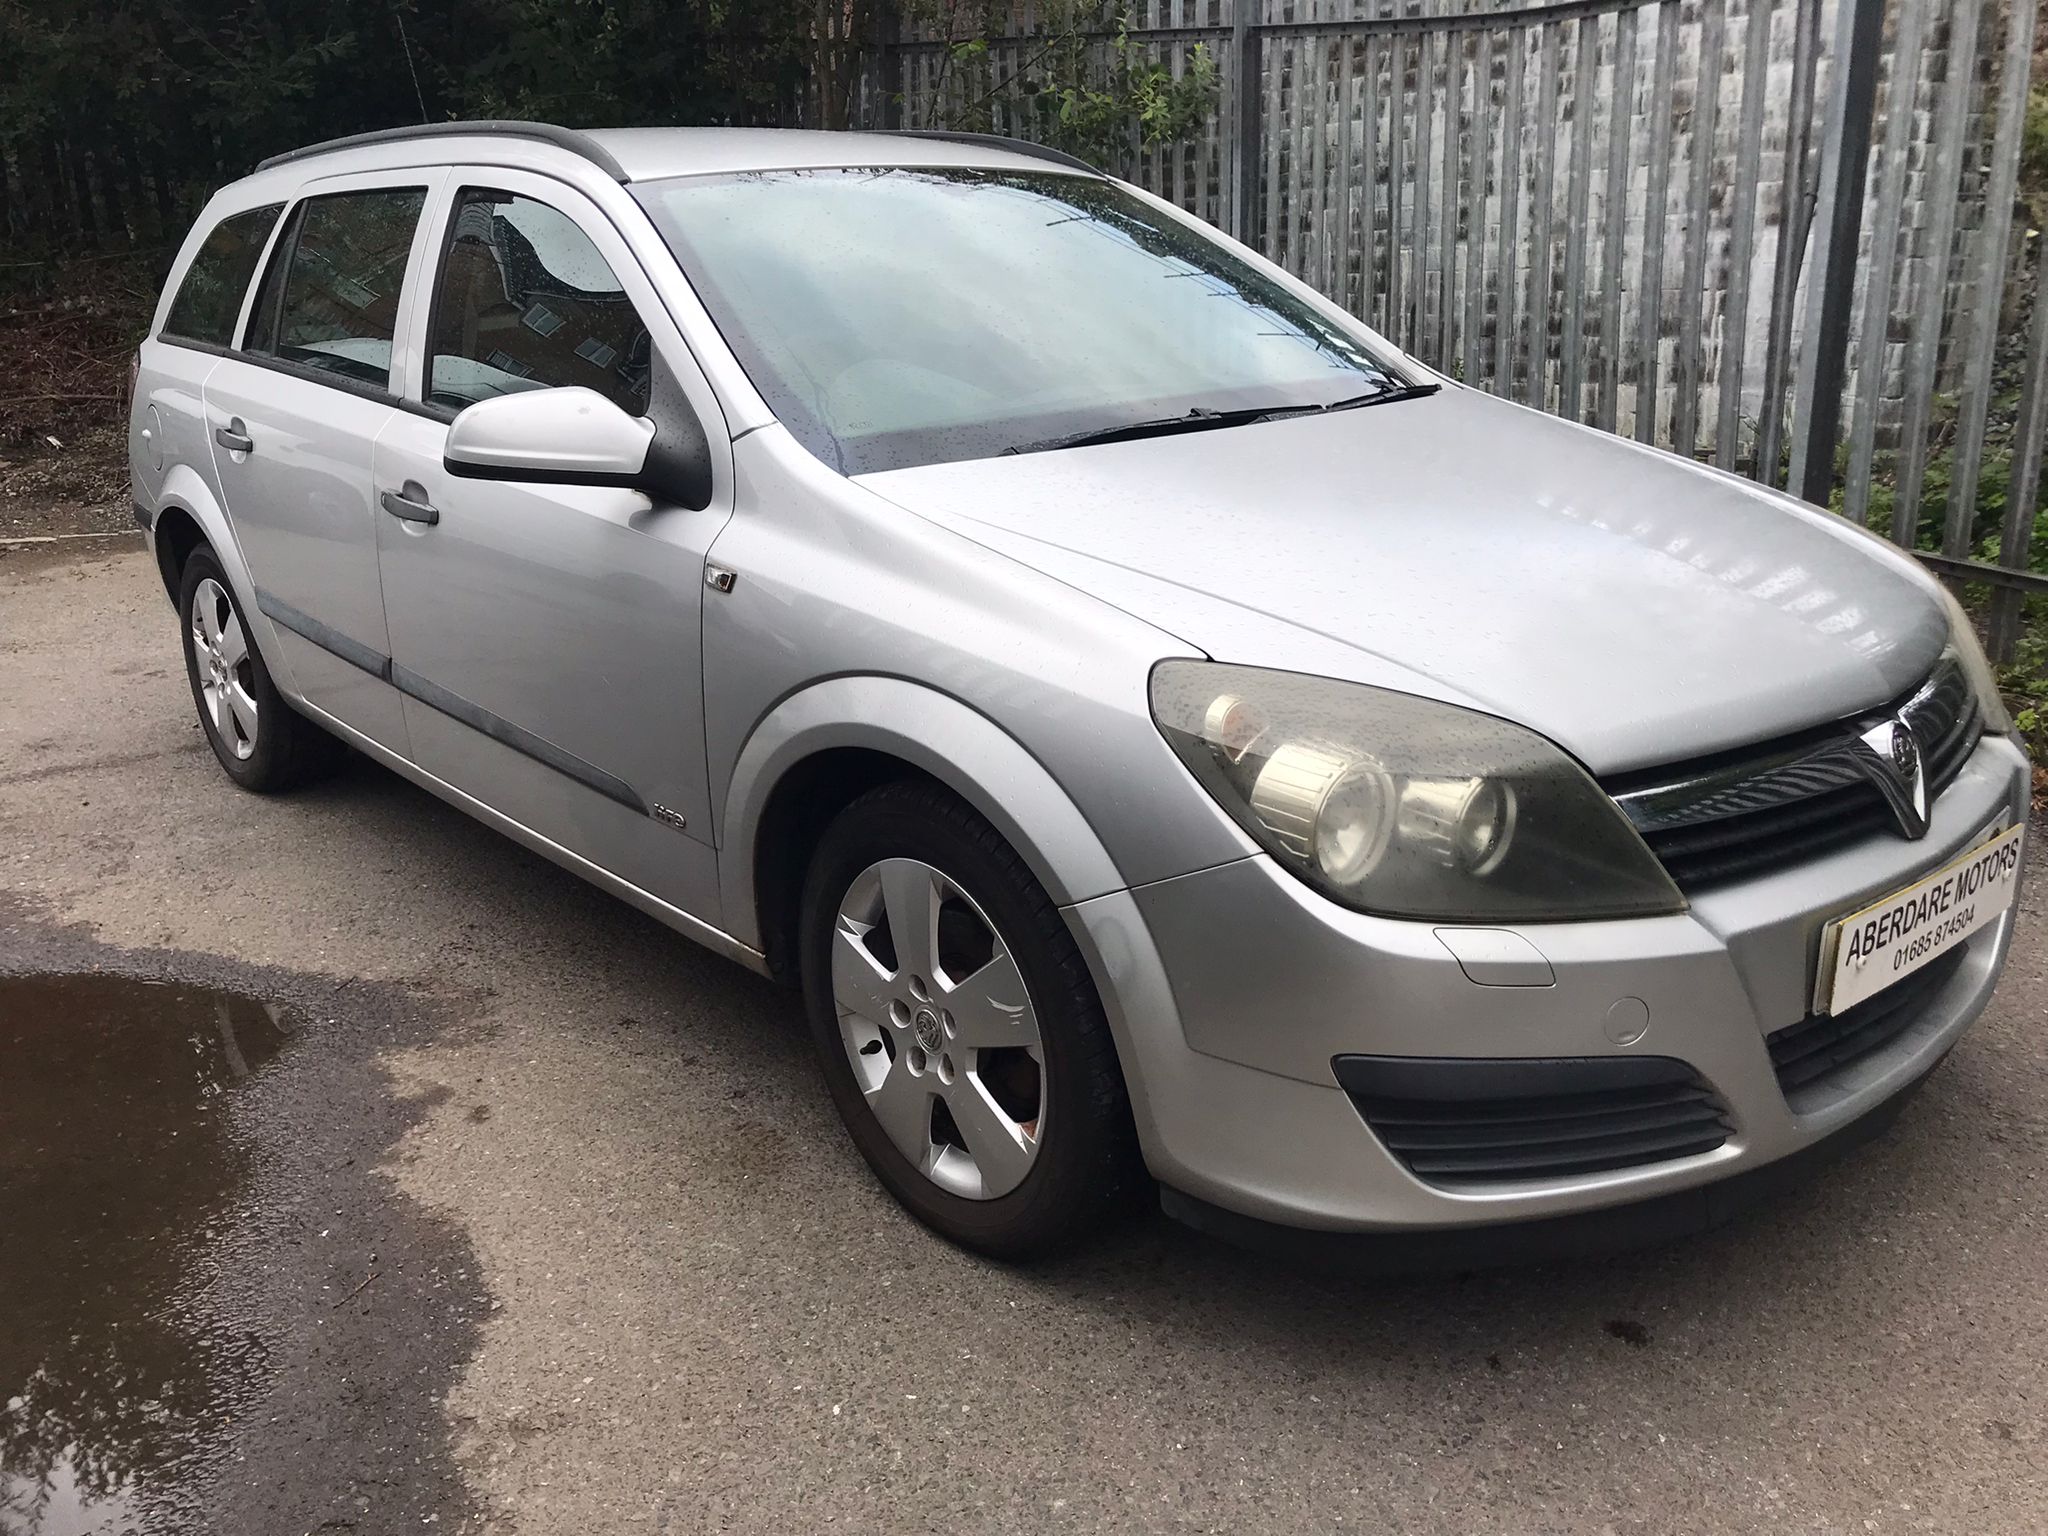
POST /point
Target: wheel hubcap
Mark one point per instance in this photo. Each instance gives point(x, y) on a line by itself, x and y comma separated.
point(227, 678)
point(939, 1028)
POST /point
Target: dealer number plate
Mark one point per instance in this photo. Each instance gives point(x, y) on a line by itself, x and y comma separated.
point(1890, 939)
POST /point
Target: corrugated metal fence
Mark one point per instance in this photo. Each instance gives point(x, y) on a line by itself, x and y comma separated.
point(1774, 234)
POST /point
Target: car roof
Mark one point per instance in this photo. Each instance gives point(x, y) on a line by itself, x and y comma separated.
point(647, 154)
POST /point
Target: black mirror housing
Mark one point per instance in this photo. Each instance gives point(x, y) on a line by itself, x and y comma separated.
point(678, 467)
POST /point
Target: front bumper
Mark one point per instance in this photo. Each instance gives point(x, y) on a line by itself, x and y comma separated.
point(1232, 990)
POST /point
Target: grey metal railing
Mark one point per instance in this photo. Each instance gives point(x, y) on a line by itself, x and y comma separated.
point(1777, 235)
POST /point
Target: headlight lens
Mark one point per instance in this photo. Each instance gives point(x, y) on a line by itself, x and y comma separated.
point(1962, 638)
point(1405, 807)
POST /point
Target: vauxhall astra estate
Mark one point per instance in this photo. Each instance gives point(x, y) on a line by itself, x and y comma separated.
point(1171, 738)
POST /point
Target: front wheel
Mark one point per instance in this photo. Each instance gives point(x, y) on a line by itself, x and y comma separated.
point(959, 1029)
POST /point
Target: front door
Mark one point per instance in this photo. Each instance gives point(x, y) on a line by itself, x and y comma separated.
point(546, 638)
point(293, 416)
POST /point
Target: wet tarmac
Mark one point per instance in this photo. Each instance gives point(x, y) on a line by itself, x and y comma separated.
point(122, 1348)
point(217, 1313)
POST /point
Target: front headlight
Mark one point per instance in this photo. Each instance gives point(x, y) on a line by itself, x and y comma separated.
point(1405, 807)
point(1962, 638)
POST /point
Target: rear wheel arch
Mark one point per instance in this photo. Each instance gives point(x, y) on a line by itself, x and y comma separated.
point(177, 534)
point(190, 516)
point(189, 519)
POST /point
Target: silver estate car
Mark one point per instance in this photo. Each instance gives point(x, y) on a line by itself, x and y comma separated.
point(1171, 737)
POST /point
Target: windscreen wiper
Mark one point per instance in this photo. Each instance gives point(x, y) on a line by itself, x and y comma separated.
point(1202, 419)
point(1387, 396)
point(1199, 419)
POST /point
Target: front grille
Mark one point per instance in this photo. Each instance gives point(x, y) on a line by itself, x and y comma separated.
point(1458, 1121)
point(1811, 1055)
point(1747, 813)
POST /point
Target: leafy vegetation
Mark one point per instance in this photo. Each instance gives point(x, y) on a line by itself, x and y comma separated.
point(116, 116)
point(1092, 91)
point(2034, 153)
point(2024, 676)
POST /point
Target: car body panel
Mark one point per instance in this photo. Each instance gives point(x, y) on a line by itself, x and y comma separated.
point(546, 637)
point(170, 406)
point(933, 732)
point(1748, 952)
point(533, 617)
point(302, 498)
point(306, 515)
point(1246, 1066)
point(832, 581)
point(183, 490)
point(1677, 613)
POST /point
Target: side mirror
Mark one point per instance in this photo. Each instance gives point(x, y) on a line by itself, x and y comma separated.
point(571, 436)
point(575, 436)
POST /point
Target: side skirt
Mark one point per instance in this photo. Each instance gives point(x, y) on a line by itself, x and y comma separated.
point(714, 939)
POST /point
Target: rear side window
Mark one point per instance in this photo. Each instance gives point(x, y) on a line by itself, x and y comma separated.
point(330, 299)
point(209, 301)
point(524, 301)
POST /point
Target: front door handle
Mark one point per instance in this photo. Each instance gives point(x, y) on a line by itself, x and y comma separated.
point(411, 504)
point(235, 437)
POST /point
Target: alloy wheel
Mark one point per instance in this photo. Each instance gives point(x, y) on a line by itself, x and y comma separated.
point(939, 1028)
point(220, 650)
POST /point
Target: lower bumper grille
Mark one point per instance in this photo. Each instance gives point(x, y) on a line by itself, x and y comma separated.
point(1813, 1053)
point(1467, 1121)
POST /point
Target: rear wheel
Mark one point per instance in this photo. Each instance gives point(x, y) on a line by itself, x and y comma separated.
point(260, 740)
point(958, 1027)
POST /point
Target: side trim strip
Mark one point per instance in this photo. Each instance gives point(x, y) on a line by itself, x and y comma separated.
point(328, 638)
point(453, 705)
point(690, 926)
point(518, 738)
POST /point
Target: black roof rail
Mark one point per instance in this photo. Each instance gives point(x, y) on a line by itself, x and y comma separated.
point(548, 133)
point(1000, 141)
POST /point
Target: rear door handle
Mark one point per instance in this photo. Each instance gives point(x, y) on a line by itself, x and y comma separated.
point(235, 437)
point(411, 504)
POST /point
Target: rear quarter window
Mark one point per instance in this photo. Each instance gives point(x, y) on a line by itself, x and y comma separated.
point(210, 299)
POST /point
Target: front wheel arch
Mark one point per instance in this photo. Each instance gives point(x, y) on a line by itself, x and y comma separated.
point(800, 806)
point(862, 724)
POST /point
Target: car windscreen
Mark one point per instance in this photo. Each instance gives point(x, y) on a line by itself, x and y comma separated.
point(903, 316)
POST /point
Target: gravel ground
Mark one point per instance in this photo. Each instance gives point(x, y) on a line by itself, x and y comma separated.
point(74, 486)
point(689, 1308)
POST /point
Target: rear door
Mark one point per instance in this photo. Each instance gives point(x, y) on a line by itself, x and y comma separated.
point(547, 637)
point(167, 426)
point(294, 414)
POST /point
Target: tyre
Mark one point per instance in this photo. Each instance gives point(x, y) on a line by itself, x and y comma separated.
point(260, 740)
point(959, 1029)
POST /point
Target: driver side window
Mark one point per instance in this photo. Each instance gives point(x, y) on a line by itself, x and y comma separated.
point(524, 301)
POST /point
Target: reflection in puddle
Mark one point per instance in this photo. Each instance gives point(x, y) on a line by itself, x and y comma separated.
point(122, 1363)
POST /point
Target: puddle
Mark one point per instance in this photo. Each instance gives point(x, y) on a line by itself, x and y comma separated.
point(123, 1357)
